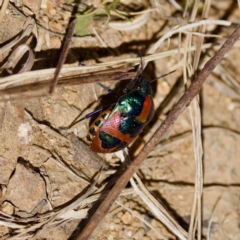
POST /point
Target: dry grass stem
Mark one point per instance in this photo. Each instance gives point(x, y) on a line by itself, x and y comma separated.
point(76, 75)
point(157, 209)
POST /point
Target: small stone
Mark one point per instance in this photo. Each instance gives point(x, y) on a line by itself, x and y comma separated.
point(52, 11)
point(7, 208)
point(163, 88)
point(81, 132)
point(55, 26)
point(25, 133)
point(55, 42)
point(111, 237)
point(4, 230)
point(46, 4)
point(112, 226)
point(129, 233)
point(119, 214)
point(180, 197)
point(118, 227)
point(56, 192)
point(127, 218)
point(45, 19)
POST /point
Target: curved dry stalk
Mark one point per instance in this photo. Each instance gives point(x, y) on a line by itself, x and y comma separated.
point(184, 101)
point(195, 113)
point(185, 28)
point(3, 9)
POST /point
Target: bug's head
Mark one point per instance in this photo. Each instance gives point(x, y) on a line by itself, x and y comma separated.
point(144, 86)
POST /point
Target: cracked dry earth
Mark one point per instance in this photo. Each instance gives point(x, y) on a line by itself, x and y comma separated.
point(44, 169)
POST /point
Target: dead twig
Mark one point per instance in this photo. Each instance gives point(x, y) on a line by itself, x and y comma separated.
point(62, 56)
point(184, 101)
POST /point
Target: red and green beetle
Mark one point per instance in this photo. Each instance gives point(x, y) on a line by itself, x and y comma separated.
point(120, 124)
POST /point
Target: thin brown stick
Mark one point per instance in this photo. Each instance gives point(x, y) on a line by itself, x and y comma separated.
point(62, 56)
point(184, 101)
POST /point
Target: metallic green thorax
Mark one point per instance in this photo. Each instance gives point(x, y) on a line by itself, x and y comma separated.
point(130, 106)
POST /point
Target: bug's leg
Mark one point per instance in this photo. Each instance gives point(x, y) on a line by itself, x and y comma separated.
point(89, 115)
point(138, 76)
point(108, 89)
point(86, 117)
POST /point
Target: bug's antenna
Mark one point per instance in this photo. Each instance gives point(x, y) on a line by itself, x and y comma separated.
point(162, 76)
point(138, 76)
point(108, 89)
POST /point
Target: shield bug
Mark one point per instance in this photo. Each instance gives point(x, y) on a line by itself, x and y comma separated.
point(120, 124)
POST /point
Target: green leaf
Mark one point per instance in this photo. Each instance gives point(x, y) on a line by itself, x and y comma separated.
point(81, 28)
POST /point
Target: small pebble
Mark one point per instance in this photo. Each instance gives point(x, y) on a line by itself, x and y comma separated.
point(55, 42)
point(7, 208)
point(118, 227)
point(163, 88)
point(129, 233)
point(52, 11)
point(110, 237)
point(46, 4)
point(127, 218)
point(112, 226)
